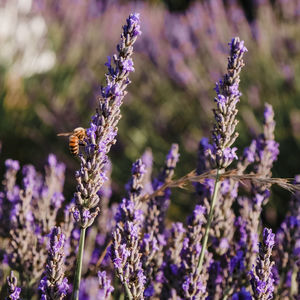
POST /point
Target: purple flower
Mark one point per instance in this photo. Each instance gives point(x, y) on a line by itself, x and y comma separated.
point(149, 291)
point(154, 238)
point(242, 295)
point(224, 134)
point(186, 285)
point(239, 46)
point(13, 290)
point(103, 130)
point(125, 252)
point(128, 65)
point(237, 262)
point(192, 282)
point(262, 280)
point(52, 161)
point(76, 215)
point(287, 249)
point(12, 164)
point(250, 152)
point(105, 285)
point(54, 285)
point(57, 199)
point(134, 22)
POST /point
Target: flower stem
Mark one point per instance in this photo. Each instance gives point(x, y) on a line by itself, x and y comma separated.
point(128, 293)
point(77, 277)
point(208, 224)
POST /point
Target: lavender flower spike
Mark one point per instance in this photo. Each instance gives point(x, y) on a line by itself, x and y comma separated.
point(103, 128)
point(125, 252)
point(228, 95)
point(224, 135)
point(105, 286)
point(13, 290)
point(54, 285)
point(262, 280)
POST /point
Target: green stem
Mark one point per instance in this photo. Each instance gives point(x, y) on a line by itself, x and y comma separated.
point(77, 277)
point(208, 224)
point(128, 293)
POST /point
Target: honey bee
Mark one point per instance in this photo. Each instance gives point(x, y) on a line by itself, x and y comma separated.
point(76, 138)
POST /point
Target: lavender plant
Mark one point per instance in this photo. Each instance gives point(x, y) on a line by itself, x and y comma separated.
point(125, 251)
point(54, 285)
point(153, 241)
point(215, 254)
point(13, 290)
point(221, 154)
point(101, 136)
point(262, 280)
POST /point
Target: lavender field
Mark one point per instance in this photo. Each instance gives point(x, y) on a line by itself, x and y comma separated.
point(149, 152)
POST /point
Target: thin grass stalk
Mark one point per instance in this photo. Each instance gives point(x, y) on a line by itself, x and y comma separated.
point(209, 221)
point(77, 277)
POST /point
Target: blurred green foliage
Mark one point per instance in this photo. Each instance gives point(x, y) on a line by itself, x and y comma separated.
point(178, 59)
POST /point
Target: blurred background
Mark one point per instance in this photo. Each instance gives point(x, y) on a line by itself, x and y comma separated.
point(52, 57)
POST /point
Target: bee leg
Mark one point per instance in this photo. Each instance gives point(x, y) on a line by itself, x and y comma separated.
point(82, 143)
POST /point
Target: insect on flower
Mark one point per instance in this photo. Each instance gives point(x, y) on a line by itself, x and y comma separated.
point(76, 138)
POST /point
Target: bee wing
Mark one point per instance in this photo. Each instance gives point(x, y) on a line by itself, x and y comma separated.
point(65, 134)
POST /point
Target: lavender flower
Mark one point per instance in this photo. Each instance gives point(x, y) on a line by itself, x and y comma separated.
point(49, 196)
point(103, 128)
point(125, 252)
point(10, 195)
point(172, 261)
point(203, 165)
point(224, 134)
point(13, 290)
point(262, 280)
point(72, 234)
point(147, 159)
point(243, 294)
point(100, 235)
point(266, 154)
point(27, 253)
point(54, 285)
point(154, 240)
point(194, 282)
point(265, 151)
point(287, 249)
point(105, 285)
point(157, 207)
point(287, 241)
point(96, 288)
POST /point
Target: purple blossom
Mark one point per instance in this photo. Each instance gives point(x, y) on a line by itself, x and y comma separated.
point(54, 285)
point(249, 152)
point(52, 161)
point(13, 290)
point(128, 65)
point(224, 134)
point(267, 148)
point(133, 23)
point(262, 280)
point(287, 249)
point(237, 263)
point(149, 291)
point(103, 130)
point(12, 164)
point(125, 252)
point(193, 282)
point(154, 238)
point(105, 285)
point(57, 200)
point(243, 294)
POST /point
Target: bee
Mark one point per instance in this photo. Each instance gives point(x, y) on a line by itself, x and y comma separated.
point(76, 138)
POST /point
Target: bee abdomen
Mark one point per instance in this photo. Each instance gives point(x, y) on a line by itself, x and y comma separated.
point(74, 144)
